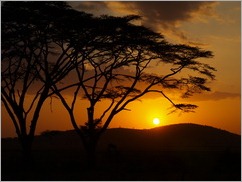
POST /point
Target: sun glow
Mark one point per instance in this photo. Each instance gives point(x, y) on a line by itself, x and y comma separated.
point(156, 121)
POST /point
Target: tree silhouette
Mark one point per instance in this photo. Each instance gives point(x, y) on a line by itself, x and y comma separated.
point(36, 53)
point(107, 58)
point(117, 69)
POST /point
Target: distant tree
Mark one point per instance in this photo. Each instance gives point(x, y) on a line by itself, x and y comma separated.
point(36, 53)
point(118, 70)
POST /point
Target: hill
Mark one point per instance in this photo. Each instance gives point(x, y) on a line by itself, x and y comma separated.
point(173, 137)
point(173, 152)
point(178, 137)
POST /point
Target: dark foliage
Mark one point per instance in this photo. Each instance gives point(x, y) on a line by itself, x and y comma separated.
point(37, 52)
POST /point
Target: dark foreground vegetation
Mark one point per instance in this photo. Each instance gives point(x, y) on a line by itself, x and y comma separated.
point(175, 152)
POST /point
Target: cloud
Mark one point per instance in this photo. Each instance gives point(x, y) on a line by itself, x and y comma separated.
point(215, 96)
point(167, 16)
point(153, 12)
point(97, 8)
point(162, 16)
point(171, 12)
point(205, 96)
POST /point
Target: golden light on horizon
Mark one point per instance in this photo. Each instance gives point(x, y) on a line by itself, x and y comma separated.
point(156, 121)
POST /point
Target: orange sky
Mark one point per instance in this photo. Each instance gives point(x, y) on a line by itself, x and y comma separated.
point(213, 26)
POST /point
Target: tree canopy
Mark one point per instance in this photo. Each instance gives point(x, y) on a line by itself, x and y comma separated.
point(38, 50)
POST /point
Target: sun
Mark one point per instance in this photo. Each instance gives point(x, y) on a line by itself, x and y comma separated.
point(156, 121)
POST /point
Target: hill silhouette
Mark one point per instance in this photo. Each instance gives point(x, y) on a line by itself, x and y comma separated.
point(172, 152)
point(185, 136)
point(174, 137)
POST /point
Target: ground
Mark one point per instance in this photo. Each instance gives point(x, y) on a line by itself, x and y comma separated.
point(137, 157)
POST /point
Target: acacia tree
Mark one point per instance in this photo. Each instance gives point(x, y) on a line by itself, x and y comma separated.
point(117, 70)
point(37, 52)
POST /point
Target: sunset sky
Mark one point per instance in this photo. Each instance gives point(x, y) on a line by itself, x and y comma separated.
point(214, 26)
